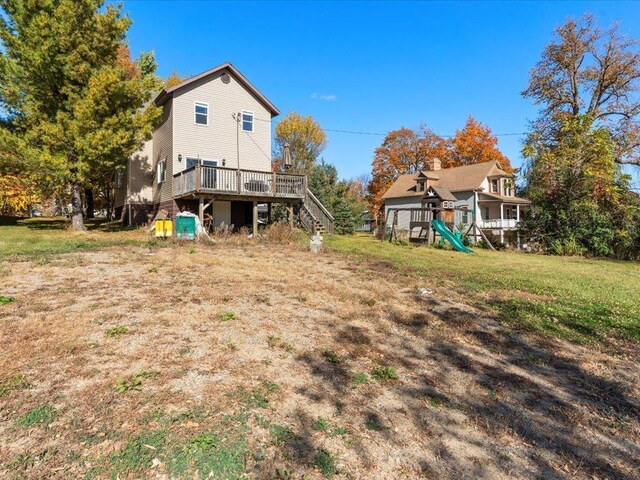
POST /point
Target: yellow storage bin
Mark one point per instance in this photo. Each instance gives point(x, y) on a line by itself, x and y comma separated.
point(164, 228)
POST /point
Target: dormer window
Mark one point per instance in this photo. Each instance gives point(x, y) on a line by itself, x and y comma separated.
point(495, 186)
point(507, 187)
point(420, 186)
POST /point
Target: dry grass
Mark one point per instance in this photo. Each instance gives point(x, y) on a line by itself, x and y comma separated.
point(404, 385)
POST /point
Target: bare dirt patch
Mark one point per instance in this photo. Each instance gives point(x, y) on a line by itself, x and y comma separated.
point(265, 359)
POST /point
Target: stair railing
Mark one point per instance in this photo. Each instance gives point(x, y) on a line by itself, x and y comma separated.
point(318, 211)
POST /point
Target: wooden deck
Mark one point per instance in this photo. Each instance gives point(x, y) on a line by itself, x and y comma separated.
point(231, 182)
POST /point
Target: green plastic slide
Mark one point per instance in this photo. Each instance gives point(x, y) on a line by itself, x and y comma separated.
point(448, 235)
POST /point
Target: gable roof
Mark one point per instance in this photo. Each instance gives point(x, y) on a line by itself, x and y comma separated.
point(167, 93)
point(443, 193)
point(456, 179)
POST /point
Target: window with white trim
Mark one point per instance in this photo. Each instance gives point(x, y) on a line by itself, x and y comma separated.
point(247, 121)
point(201, 112)
point(119, 179)
point(495, 188)
point(421, 185)
point(161, 170)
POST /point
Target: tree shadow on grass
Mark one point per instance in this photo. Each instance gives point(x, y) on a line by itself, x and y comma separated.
point(523, 405)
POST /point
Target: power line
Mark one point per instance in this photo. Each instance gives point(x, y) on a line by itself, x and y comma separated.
point(378, 134)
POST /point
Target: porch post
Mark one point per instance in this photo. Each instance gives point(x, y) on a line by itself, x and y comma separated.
point(290, 214)
point(517, 224)
point(255, 219)
point(201, 210)
point(501, 222)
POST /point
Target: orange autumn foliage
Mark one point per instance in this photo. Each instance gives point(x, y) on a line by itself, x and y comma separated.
point(408, 151)
point(474, 144)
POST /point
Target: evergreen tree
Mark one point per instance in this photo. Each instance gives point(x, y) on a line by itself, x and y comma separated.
point(71, 93)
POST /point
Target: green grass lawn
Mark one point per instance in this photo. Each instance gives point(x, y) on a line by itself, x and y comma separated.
point(40, 237)
point(579, 299)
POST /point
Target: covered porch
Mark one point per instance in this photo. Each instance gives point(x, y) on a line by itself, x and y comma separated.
point(500, 214)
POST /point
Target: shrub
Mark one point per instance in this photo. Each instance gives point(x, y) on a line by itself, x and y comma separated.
point(384, 373)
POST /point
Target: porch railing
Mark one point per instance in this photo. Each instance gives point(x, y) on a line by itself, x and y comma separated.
point(497, 223)
point(204, 179)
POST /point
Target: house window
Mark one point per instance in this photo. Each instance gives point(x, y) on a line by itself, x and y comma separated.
point(420, 187)
point(201, 111)
point(119, 179)
point(486, 213)
point(247, 121)
point(465, 216)
point(161, 170)
point(494, 185)
point(508, 187)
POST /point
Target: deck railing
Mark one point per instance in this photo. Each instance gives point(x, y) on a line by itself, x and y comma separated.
point(497, 223)
point(318, 211)
point(204, 179)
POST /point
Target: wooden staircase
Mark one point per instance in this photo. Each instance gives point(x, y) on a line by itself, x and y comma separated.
point(314, 217)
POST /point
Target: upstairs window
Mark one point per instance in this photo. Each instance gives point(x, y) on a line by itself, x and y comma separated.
point(201, 111)
point(247, 121)
point(119, 179)
point(495, 187)
point(420, 187)
point(161, 171)
point(508, 187)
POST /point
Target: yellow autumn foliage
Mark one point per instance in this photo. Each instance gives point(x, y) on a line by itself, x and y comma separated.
point(16, 195)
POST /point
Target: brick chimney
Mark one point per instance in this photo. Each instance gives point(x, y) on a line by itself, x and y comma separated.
point(434, 164)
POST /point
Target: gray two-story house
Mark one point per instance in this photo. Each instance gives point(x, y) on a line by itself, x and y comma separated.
point(211, 155)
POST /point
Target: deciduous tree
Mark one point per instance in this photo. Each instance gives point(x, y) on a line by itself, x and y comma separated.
point(594, 72)
point(305, 138)
point(474, 144)
point(402, 151)
point(69, 89)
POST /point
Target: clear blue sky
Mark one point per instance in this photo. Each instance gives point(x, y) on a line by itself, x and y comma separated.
point(372, 66)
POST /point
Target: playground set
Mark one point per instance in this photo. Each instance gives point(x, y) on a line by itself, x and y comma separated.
point(431, 222)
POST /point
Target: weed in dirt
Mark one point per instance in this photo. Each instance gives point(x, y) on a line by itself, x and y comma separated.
point(369, 302)
point(38, 416)
point(492, 394)
point(226, 298)
point(264, 299)
point(184, 351)
point(4, 271)
point(133, 383)
point(332, 357)
point(257, 397)
point(435, 403)
point(23, 461)
point(384, 373)
point(153, 270)
point(9, 384)
point(321, 425)
point(231, 345)
point(276, 342)
point(227, 316)
point(4, 300)
point(262, 421)
point(191, 250)
point(535, 359)
point(116, 332)
point(359, 379)
point(138, 453)
point(338, 432)
point(280, 433)
point(283, 473)
point(373, 424)
point(325, 462)
point(217, 453)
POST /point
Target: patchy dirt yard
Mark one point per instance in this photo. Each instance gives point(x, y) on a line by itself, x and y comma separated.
point(269, 362)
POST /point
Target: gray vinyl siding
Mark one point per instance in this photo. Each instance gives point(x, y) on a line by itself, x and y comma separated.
point(217, 140)
point(404, 218)
point(137, 178)
point(163, 148)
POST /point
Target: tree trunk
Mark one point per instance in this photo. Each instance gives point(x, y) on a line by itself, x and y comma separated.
point(88, 195)
point(77, 222)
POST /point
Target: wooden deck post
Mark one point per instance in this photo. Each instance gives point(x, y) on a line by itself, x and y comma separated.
point(269, 213)
point(255, 219)
point(290, 214)
point(201, 210)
